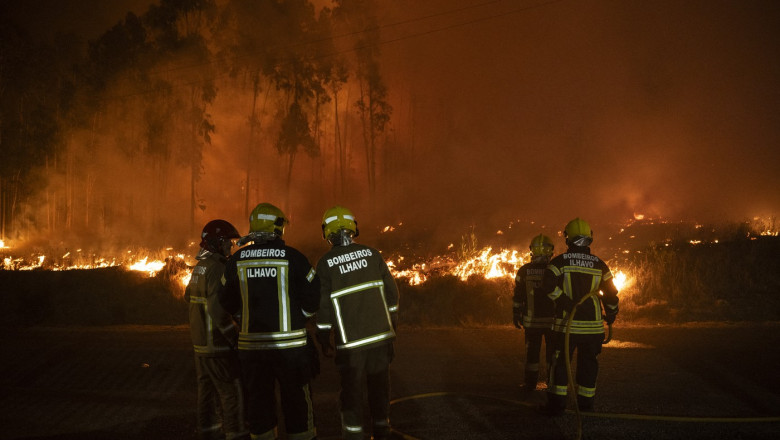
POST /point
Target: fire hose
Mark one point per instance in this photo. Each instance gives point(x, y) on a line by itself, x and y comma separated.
point(608, 338)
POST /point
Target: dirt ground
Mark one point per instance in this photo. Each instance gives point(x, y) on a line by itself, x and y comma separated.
point(665, 382)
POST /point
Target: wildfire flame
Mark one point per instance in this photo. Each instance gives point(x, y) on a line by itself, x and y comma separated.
point(621, 280)
point(151, 267)
point(75, 260)
point(487, 262)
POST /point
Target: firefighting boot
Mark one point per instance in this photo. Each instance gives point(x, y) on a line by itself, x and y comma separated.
point(380, 429)
point(531, 378)
point(585, 403)
point(555, 406)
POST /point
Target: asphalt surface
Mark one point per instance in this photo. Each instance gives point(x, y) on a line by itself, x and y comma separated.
point(665, 382)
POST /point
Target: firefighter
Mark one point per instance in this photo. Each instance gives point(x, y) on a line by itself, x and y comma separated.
point(275, 290)
point(358, 311)
point(569, 278)
point(214, 336)
point(533, 312)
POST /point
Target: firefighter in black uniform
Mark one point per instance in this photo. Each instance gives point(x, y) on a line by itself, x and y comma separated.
point(275, 291)
point(358, 310)
point(532, 311)
point(214, 335)
point(569, 278)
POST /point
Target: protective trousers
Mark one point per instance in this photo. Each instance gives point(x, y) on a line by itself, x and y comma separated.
point(588, 347)
point(365, 370)
point(533, 348)
point(291, 368)
point(220, 398)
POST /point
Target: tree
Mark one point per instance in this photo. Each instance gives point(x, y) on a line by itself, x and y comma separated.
point(373, 106)
point(178, 28)
point(295, 133)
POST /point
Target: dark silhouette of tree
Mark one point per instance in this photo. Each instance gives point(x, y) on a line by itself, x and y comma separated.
point(295, 133)
point(372, 105)
point(273, 42)
point(36, 91)
point(178, 28)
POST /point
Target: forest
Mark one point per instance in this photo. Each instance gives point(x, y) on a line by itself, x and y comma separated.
point(192, 109)
point(428, 119)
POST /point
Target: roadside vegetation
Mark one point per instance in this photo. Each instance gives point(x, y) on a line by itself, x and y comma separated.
point(737, 279)
point(734, 278)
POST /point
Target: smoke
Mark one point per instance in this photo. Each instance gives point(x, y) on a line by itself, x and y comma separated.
point(506, 111)
point(598, 109)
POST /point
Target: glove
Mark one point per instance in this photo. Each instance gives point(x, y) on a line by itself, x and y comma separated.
point(517, 318)
point(610, 313)
point(327, 348)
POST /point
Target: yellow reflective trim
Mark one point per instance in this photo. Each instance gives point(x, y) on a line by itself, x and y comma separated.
point(560, 390)
point(310, 275)
point(357, 288)
point(579, 269)
point(198, 300)
point(246, 345)
point(586, 391)
point(271, 336)
point(369, 340)
point(353, 428)
point(579, 327)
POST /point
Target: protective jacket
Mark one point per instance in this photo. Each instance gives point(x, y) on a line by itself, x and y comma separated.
point(571, 276)
point(275, 290)
point(537, 309)
point(212, 329)
point(359, 297)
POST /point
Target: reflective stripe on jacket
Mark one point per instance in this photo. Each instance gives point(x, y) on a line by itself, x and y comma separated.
point(359, 297)
point(275, 290)
point(537, 309)
point(570, 277)
point(210, 325)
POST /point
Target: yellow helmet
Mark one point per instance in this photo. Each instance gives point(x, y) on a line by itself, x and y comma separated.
point(541, 246)
point(578, 232)
point(267, 218)
point(337, 218)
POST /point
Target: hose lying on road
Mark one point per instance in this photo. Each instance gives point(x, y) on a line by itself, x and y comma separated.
point(645, 417)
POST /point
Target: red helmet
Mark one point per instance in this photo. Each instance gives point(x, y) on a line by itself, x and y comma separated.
point(216, 235)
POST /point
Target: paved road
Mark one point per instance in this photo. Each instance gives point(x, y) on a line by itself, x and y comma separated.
point(133, 383)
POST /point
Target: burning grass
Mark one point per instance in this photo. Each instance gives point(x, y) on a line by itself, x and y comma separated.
point(735, 278)
point(688, 278)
